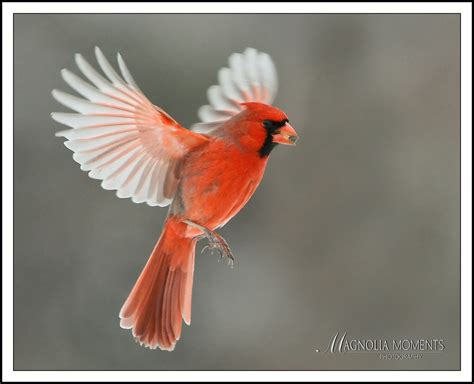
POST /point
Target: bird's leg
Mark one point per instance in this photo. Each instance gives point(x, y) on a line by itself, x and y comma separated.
point(216, 241)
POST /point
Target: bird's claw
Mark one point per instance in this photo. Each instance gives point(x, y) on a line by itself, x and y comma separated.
point(216, 242)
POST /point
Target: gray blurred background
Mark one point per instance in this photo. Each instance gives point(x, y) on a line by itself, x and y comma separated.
point(354, 230)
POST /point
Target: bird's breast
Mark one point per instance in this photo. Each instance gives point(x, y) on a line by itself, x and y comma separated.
point(216, 183)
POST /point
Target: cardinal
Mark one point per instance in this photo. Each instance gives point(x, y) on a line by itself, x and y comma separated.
point(205, 174)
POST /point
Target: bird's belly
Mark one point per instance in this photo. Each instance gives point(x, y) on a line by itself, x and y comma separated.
point(214, 206)
point(216, 194)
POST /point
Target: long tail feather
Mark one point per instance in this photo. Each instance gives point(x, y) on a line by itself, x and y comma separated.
point(161, 297)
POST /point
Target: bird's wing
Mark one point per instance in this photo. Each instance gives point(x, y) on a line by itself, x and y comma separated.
point(251, 76)
point(120, 137)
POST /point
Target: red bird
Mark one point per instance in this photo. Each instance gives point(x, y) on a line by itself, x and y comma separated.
point(206, 174)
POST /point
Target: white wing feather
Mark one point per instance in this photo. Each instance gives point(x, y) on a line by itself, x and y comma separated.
point(119, 136)
point(250, 77)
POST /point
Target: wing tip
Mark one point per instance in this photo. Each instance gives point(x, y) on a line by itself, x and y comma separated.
point(56, 93)
point(65, 73)
point(80, 60)
point(54, 116)
point(63, 133)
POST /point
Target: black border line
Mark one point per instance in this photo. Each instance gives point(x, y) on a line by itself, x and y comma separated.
point(248, 370)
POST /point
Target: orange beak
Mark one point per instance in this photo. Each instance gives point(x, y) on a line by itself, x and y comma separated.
point(285, 135)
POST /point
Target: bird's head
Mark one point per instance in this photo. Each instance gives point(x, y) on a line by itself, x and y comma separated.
point(262, 127)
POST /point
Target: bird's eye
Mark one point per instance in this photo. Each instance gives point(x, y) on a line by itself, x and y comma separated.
point(268, 124)
point(271, 125)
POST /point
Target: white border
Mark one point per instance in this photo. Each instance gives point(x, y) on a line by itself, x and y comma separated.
point(465, 9)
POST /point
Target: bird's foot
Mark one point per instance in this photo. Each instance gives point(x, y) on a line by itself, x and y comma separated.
point(216, 242)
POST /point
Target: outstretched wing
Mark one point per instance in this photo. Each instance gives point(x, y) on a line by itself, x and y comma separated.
point(119, 136)
point(251, 76)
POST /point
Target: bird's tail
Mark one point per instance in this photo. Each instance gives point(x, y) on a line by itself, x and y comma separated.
point(162, 294)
